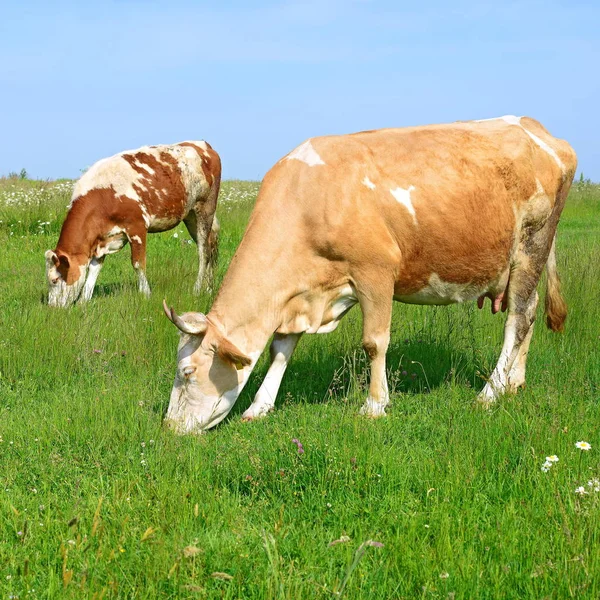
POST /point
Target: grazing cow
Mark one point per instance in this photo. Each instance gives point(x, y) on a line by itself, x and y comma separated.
point(423, 215)
point(123, 198)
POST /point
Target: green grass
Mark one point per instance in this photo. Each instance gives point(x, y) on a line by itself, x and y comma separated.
point(98, 501)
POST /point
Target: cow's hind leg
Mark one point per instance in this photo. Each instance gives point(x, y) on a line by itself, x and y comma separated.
point(199, 227)
point(509, 372)
point(535, 250)
point(376, 306)
point(516, 375)
point(281, 350)
point(138, 259)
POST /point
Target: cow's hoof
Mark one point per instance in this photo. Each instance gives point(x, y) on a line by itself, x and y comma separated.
point(372, 410)
point(256, 412)
point(484, 403)
point(489, 394)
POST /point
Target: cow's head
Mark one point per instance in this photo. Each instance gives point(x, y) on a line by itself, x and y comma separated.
point(211, 372)
point(66, 276)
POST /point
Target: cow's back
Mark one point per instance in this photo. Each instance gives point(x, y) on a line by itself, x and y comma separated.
point(442, 199)
point(164, 181)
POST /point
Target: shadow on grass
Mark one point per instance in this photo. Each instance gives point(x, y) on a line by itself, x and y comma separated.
point(103, 290)
point(413, 367)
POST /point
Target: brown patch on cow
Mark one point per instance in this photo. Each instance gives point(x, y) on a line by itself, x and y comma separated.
point(211, 163)
point(166, 175)
point(91, 216)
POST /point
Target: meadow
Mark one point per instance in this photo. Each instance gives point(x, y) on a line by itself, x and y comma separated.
point(438, 500)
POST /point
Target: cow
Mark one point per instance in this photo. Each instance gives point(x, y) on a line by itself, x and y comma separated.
point(120, 200)
point(423, 215)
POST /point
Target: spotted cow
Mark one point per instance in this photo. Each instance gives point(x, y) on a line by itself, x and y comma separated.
point(120, 200)
point(423, 215)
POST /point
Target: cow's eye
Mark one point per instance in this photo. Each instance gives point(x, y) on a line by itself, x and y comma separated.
point(188, 371)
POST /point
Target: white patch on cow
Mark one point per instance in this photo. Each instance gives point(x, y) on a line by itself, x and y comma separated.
point(136, 239)
point(307, 154)
point(110, 246)
point(366, 181)
point(512, 120)
point(93, 272)
point(498, 381)
point(546, 148)
point(533, 214)
point(264, 400)
point(539, 186)
point(114, 231)
point(439, 292)
point(143, 285)
point(144, 166)
point(343, 302)
point(200, 143)
point(60, 294)
point(145, 214)
point(376, 408)
point(190, 411)
point(403, 196)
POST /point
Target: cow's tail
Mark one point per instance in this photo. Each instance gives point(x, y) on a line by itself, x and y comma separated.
point(556, 307)
point(213, 243)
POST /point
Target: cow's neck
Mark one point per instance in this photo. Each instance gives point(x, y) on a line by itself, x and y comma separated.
point(254, 298)
point(78, 235)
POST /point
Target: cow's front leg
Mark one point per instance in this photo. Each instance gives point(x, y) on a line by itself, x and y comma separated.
point(281, 350)
point(377, 315)
point(92, 275)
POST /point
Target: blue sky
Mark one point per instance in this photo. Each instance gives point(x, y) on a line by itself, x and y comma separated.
point(82, 80)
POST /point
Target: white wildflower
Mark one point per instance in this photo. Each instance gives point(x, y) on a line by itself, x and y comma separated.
point(594, 484)
point(581, 491)
point(583, 446)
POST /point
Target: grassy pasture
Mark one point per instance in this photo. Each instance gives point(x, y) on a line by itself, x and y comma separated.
point(97, 501)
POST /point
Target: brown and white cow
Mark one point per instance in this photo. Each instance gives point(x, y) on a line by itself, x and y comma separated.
point(123, 198)
point(423, 215)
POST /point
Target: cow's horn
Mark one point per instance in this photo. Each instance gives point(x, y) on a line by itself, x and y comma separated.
point(197, 327)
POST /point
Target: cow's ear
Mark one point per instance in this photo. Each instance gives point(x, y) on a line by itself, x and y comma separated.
point(231, 354)
point(51, 258)
point(64, 261)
